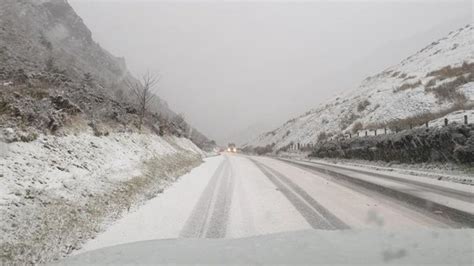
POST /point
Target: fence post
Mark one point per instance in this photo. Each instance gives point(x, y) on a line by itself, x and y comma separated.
point(465, 119)
point(358, 135)
point(427, 124)
point(298, 145)
point(445, 121)
point(366, 133)
point(350, 135)
point(385, 131)
point(375, 132)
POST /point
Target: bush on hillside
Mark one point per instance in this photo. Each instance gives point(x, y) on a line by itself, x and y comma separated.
point(363, 105)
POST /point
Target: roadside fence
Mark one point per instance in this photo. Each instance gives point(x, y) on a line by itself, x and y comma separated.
point(370, 132)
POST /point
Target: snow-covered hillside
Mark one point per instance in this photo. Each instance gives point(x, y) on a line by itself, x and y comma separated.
point(48, 36)
point(436, 80)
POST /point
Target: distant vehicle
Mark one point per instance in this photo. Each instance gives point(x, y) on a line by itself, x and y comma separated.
point(231, 147)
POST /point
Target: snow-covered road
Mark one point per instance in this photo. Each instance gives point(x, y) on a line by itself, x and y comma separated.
point(233, 196)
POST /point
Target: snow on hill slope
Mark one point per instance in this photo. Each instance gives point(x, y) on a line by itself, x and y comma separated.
point(436, 80)
point(35, 35)
point(38, 36)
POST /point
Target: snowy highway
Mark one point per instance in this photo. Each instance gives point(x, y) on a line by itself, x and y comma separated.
point(234, 195)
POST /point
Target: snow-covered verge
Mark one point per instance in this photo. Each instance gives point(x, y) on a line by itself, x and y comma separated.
point(441, 171)
point(430, 84)
point(58, 192)
point(162, 217)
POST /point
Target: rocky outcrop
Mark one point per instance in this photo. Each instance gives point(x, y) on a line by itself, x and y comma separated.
point(452, 143)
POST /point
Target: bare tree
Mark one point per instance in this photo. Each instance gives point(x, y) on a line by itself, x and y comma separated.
point(180, 123)
point(144, 93)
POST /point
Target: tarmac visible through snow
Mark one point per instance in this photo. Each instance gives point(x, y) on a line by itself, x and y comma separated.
point(235, 196)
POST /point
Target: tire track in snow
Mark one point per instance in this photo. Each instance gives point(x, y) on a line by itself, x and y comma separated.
point(448, 216)
point(210, 215)
point(314, 213)
point(220, 214)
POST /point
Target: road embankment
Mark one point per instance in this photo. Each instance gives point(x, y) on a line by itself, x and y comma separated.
point(57, 192)
point(452, 143)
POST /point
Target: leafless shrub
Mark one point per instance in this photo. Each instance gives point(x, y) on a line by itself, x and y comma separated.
point(431, 83)
point(50, 66)
point(347, 120)
point(180, 123)
point(165, 125)
point(119, 95)
point(88, 80)
point(339, 136)
point(144, 93)
point(4, 108)
point(448, 90)
point(270, 133)
point(449, 72)
point(422, 118)
point(407, 86)
point(264, 150)
point(409, 77)
point(287, 147)
point(322, 136)
point(363, 105)
point(357, 126)
point(36, 91)
point(372, 126)
point(466, 70)
point(45, 42)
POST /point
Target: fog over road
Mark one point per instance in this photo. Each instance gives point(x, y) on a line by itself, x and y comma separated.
point(234, 195)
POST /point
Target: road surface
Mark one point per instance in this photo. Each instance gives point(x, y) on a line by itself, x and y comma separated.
point(234, 195)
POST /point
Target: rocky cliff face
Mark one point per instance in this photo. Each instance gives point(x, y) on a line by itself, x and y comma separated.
point(436, 81)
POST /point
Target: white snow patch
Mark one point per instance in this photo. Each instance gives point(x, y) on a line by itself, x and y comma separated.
point(67, 166)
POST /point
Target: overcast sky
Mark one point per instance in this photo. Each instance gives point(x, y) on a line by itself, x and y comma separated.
point(237, 68)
